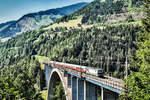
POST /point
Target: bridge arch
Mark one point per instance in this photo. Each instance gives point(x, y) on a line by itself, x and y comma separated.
point(56, 76)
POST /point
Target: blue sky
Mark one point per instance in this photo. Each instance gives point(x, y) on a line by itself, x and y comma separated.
point(14, 9)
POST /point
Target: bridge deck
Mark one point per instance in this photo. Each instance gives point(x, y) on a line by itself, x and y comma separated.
point(111, 83)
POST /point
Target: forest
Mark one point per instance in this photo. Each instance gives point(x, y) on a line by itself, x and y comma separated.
point(104, 47)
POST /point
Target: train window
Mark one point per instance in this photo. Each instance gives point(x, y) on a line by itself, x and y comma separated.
point(100, 71)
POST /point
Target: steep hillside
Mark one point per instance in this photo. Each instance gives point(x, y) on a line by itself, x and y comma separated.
point(3, 25)
point(105, 44)
point(36, 20)
point(105, 48)
point(101, 34)
point(102, 11)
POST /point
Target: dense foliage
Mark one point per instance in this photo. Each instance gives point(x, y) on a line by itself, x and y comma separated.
point(95, 9)
point(59, 93)
point(138, 81)
point(105, 47)
point(20, 80)
point(99, 11)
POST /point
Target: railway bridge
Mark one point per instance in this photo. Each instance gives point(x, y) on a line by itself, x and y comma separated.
point(81, 86)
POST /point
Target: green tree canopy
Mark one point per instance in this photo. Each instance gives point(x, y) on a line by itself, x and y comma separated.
point(139, 80)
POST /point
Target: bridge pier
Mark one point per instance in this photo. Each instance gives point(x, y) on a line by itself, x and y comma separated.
point(47, 73)
point(74, 88)
point(80, 89)
point(69, 80)
point(102, 93)
point(84, 90)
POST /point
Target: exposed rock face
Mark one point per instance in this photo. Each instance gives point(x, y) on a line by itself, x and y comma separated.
point(36, 20)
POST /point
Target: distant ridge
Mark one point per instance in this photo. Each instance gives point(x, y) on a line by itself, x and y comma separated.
point(35, 20)
point(7, 23)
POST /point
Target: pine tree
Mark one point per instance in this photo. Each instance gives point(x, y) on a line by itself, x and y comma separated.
point(139, 81)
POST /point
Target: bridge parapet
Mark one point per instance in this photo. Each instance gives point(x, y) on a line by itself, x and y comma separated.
point(108, 83)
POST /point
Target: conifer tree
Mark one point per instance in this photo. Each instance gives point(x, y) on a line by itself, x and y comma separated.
point(139, 80)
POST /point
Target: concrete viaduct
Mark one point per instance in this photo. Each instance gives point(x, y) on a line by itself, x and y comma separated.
point(81, 86)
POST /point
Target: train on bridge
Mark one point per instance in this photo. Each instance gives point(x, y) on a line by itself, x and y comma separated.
point(83, 69)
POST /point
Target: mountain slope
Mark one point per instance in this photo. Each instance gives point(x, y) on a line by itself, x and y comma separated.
point(6, 24)
point(36, 20)
point(100, 11)
point(109, 38)
point(105, 44)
